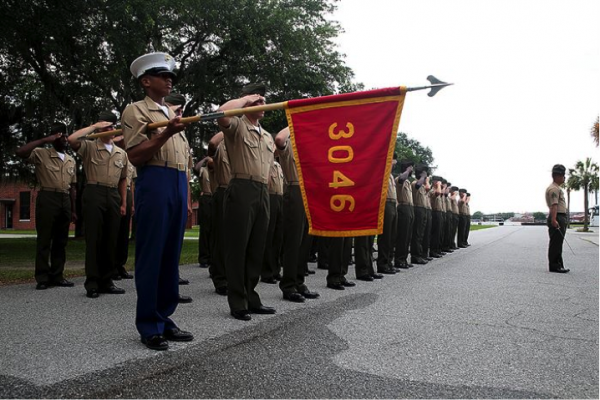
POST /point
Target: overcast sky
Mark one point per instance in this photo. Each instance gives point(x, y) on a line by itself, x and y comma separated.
point(526, 93)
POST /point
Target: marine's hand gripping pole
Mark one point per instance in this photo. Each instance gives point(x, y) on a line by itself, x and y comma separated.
point(436, 86)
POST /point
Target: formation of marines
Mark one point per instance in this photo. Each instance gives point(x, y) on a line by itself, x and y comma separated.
point(253, 225)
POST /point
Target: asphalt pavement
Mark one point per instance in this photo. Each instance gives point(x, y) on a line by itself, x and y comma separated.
point(488, 321)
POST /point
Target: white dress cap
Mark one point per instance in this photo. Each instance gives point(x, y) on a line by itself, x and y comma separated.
point(157, 62)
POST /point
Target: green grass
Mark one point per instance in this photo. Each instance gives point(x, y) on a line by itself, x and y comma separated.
point(479, 227)
point(17, 258)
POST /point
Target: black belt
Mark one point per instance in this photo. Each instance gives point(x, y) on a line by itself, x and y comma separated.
point(102, 184)
point(253, 178)
point(47, 189)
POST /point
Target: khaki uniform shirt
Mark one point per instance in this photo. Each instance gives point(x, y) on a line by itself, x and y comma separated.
point(276, 179)
point(176, 151)
point(462, 210)
point(454, 205)
point(428, 199)
point(391, 193)
point(51, 171)
point(419, 195)
point(404, 193)
point(204, 181)
point(102, 166)
point(222, 166)
point(555, 195)
point(467, 209)
point(250, 149)
point(447, 203)
point(131, 173)
point(434, 200)
point(288, 164)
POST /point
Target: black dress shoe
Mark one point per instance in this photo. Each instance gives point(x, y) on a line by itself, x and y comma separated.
point(435, 255)
point(377, 276)
point(269, 280)
point(262, 310)
point(41, 286)
point(125, 275)
point(402, 265)
point(310, 271)
point(336, 286)
point(307, 294)
point(461, 246)
point(63, 283)
point(112, 290)
point(409, 265)
point(418, 261)
point(560, 270)
point(183, 281)
point(387, 271)
point(116, 277)
point(312, 258)
point(221, 290)
point(184, 299)
point(92, 294)
point(429, 258)
point(294, 297)
point(322, 266)
point(156, 342)
point(277, 277)
point(177, 335)
point(242, 315)
point(203, 265)
point(448, 250)
point(366, 278)
point(348, 284)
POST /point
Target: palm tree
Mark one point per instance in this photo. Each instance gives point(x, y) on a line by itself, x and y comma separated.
point(594, 131)
point(584, 176)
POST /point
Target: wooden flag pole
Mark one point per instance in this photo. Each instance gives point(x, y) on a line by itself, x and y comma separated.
point(200, 117)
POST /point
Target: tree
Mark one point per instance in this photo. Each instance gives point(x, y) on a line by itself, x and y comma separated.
point(411, 149)
point(584, 177)
point(539, 216)
point(594, 131)
point(70, 69)
point(478, 215)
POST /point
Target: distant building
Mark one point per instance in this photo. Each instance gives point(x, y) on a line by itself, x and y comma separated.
point(17, 207)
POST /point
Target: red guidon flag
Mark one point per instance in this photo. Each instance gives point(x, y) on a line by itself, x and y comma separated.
point(343, 146)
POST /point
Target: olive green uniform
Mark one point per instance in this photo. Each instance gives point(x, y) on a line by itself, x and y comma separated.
point(52, 212)
point(204, 217)
point(428, 220)
point(436, 221)
point(406, 217)
point(555, 195)
point(385, 241)
point(125, 225)
point(246, 220)
point(294, 220)
point(462, 224)
point(101, 210)
point(455, 222)
point(420, 223)
point(271, 260)
point(222, 176)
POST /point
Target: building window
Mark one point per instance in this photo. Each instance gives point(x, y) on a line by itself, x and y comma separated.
point(24, 205)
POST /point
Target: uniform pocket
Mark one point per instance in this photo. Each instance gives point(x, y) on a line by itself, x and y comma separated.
point(251, 146)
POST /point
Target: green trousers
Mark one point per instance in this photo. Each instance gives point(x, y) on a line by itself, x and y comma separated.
point(217, 249)
point(406, 217)
point(246, 222)
point(271, 260)
point(52, 220)
point(101, 218)
point(385, 242)
point(338, 259)
point(363, 256)
point(294, 220)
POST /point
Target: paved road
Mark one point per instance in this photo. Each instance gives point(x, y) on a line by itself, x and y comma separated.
point(484, 322)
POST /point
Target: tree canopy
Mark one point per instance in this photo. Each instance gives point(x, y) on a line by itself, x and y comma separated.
point(68, 61)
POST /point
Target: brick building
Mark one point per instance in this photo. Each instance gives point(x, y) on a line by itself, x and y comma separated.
point(17, 207)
